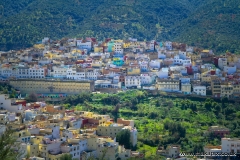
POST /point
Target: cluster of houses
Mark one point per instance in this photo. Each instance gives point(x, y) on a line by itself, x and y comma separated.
point(124, 64)
point(47, 132)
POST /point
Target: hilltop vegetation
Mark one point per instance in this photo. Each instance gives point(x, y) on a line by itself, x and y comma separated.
point(163, 119)
point(26, 22)
point(214, 25)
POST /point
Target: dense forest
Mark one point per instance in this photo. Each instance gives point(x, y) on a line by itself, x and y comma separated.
point(206, 23)
point(163, 119)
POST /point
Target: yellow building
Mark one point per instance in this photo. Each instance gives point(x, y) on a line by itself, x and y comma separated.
point(98, 49)
point(22, 134)
point(236, 88)
point(39, 46)
point(195, 57)
point(118, 41)
point(226, 90)
point(133, 71)
point(205, 51)
point(168, 85)
point(186, 88)
point(206, 78)
point(52, 86)
point(88, 114)
point(33, 150)
point(52, 55)
point(126, 44)
point(232, 58)
point(216, 87)
point(46, 150)
point(42, 124)
point(96, 64)
point(76, 51)
point(111, 130)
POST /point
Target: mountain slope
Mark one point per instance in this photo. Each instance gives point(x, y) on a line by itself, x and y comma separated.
point(26, 23)
point(206, 23)
point(214, 25)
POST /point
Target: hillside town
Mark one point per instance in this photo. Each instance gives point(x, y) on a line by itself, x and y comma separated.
point(113, 65)
point(47, 132)
point(55, 69)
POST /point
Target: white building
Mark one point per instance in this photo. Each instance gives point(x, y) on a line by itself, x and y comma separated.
point(173, 151)
point(73, 149)
point(132, 81)
point(30, 115)
point(230, 145)
point(90, 74)
point(146, 79)
point(75, 123)
point(195, 68)
point(152, 45)
point(168, 45)
point(185, 80)
point(137, 49)
point(186, 88)
point(200, 90)
point(133, 135)
point(107, 84)
point(45, 40)
point(84, 45)
point(49, 147)
point(74, 75)
point(230, 69)
point(143, 65)
point(163, 73)
point(197, 76)
point(59, 72)
point(168, 85)
point(118, 48)
point(6, 72)
point(35, 72)
point(186, 62)
point(189, 49)
point(25, 58)
point(154, 64)
point(113, 129)
point(7, 104)
point(182, 55)
point(44, 61)
point(177, 60)
point(222, 62)
point(161, 55)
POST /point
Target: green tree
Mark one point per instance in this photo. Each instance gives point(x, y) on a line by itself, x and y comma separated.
point(5, 91)
point(66, 106)
point(8, 147)
point(123, 137)
point(31, 97)
point(66, 157)
point(79, 108)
